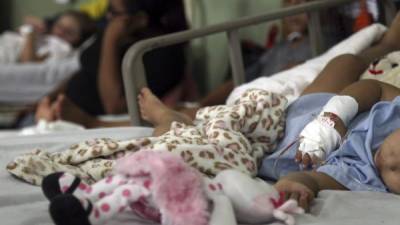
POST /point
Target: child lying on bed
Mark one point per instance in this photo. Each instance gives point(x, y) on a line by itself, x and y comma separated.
point(375, 133)
point(356, 156)
point(30, 45)
point(348, 132)
point(358, 119)
point(367, 111)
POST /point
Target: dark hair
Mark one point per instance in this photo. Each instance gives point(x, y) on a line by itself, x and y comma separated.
point(87, 26)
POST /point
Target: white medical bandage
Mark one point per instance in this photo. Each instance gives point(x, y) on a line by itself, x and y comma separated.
point(319, 137)
point(345, 107)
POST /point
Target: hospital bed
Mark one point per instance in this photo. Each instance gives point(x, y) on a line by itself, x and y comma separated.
point(21, 203)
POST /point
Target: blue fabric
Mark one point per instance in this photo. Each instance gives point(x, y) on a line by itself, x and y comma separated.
point(352, 164)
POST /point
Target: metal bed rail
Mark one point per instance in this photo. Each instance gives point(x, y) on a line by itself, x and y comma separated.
point(134, 74)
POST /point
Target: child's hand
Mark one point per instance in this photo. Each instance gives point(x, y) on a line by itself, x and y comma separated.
point(307, 160)
point(317, 140)
point(297, 191)
point(324, 134)
point(37, 23)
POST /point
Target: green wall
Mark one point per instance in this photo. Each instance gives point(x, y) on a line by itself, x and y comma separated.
point(41, 8)
point(210, 55)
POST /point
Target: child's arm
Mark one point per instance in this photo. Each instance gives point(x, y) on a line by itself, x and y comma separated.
point(305, 186)
point(365, 93)
point(369, 92)
point(37, 23)
point(28, 53)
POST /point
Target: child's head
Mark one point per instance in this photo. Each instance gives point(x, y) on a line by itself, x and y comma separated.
point(73, 27)
point(387, 161)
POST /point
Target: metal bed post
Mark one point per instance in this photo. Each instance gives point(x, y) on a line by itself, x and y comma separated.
point(390, 10)
point(315, 32)
point(136, 69)
point(235, 56)
point(133, 69)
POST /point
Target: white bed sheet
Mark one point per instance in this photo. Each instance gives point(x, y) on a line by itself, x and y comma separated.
point(24, 204)
point(27, 83)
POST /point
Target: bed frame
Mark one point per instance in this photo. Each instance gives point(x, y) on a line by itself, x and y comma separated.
point(134, 74)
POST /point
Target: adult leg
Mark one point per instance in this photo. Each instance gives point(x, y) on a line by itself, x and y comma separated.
point(347, 69)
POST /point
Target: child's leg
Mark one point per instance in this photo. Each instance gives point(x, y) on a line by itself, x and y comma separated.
point(347, 69)
point(337, 74)
point(158, 114)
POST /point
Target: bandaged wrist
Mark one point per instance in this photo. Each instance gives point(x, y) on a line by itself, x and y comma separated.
point(345, 107)
point(319, 138)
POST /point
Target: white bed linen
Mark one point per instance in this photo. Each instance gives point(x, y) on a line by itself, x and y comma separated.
point(27, 83)
point(24, 204)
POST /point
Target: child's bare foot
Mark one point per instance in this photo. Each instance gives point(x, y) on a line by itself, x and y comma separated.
point(392, 35)
point(155, 112)
point(65, 109)
point(44, 110)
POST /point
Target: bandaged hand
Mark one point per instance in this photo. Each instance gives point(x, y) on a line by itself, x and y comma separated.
point(320, 137)
point(317, 140)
